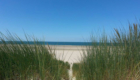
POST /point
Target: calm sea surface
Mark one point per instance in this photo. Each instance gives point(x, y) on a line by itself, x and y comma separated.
point(53, 43)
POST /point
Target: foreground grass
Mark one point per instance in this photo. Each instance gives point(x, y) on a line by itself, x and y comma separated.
point(118, 61)
point(25, 62)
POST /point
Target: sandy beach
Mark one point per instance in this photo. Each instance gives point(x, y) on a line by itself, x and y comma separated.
point(68, 53)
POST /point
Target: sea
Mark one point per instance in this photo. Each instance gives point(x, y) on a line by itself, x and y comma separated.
point(51, 43)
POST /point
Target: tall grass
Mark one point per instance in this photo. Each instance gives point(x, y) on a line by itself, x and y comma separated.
point(120, 60)
point(117, 58)
point(28, 62)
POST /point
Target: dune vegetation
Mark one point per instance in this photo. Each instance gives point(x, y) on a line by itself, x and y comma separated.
point(28, 62)
point(117, 58)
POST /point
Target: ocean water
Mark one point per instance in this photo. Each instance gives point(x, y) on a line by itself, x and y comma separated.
point(52, 43)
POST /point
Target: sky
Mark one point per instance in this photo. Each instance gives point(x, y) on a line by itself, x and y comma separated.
point(67, 20)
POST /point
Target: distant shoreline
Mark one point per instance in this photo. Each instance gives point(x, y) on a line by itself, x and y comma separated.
point(52, 43)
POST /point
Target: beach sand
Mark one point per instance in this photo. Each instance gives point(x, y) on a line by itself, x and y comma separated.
point(68, 53)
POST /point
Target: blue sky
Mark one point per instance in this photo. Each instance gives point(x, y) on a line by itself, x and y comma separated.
point(66, 20)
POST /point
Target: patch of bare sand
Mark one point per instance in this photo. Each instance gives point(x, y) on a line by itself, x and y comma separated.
point(68, 53)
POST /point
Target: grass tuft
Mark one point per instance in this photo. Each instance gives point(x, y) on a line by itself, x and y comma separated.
point(120, 60)
point(21, 61)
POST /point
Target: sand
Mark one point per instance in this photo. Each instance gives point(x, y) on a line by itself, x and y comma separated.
point(68, 53)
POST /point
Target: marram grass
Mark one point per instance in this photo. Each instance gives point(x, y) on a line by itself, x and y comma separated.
point(117, 58)
point(28, 62)
point(120, 60)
